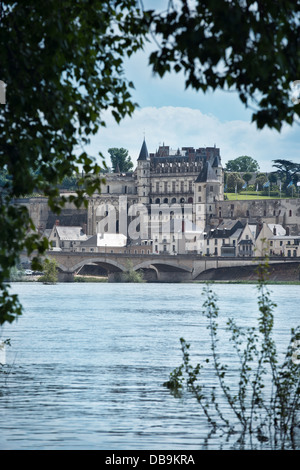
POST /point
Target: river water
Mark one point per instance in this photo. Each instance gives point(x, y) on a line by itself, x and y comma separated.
point(87, 362)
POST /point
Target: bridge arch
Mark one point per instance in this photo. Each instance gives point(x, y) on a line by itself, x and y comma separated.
point(160, 265)
point(110, 265)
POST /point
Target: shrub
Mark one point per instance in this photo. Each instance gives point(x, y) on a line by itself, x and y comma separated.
point(266, 398)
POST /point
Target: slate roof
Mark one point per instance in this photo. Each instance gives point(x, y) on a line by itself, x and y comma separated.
point(144, 152)
point(207, 174)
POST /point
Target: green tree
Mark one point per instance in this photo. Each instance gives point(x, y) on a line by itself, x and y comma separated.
point(120, 160)
point(287, 172)
point(62, 62)
point(234, 181)
point(249, 47)
point(272, 177)
point(247, 177)
point(242, 164)
point(50, 274)
point(261, 179)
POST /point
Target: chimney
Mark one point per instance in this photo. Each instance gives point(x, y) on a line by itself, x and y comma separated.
point(57, 222)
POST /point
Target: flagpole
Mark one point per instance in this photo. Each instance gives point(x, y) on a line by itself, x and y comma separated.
point(280, 189)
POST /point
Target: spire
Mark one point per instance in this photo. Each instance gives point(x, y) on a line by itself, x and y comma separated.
point(144, 152)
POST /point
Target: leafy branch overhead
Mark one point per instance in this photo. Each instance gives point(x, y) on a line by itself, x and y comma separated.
point(247, 46)
point(62, 63)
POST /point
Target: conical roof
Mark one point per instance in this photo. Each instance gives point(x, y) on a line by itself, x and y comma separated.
point(206, 174)
point(217, 162)
point(144, 152)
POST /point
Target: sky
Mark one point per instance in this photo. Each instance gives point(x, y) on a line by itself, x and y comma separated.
point(171, 115)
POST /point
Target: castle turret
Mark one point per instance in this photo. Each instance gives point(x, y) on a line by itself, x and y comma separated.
point(143, 175)
point(208, 190)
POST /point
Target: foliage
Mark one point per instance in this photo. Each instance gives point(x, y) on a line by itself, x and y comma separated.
point(62, 63)
point(121, 161)
point(272, 177)
point(234, 180)
point(242, 164)
point(16, 274)
point(129, 275)
point(287, 172)
point(261, 179)
point(248, 47)
point(264, 397)
point(50, 271)
point(247, 177)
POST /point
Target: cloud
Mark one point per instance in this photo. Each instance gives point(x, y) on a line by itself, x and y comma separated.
point(183, 126)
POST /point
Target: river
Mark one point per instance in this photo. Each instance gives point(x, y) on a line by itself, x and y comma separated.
point(87, 362)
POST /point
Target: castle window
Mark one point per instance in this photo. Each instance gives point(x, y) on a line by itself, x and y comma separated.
point(108, 189)
point(199, 188)
point(174, 200)
point(290, 213)
point(211, 188)
point(166, 200)
point(199, 198)
point(190, 199)
point(157, 201)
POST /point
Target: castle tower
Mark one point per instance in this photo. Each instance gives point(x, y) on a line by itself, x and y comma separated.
point(143, 175)
point(218, 169)
point(207, 191)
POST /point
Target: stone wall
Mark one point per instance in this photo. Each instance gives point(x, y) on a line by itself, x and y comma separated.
point(273, 211)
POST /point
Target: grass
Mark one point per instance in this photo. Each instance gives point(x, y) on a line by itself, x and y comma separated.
point(247, 196)
point(252, 195)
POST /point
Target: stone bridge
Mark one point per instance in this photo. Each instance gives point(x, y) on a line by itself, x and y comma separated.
point(162, 268)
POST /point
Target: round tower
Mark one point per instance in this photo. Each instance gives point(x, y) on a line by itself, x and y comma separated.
point(143, 175)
